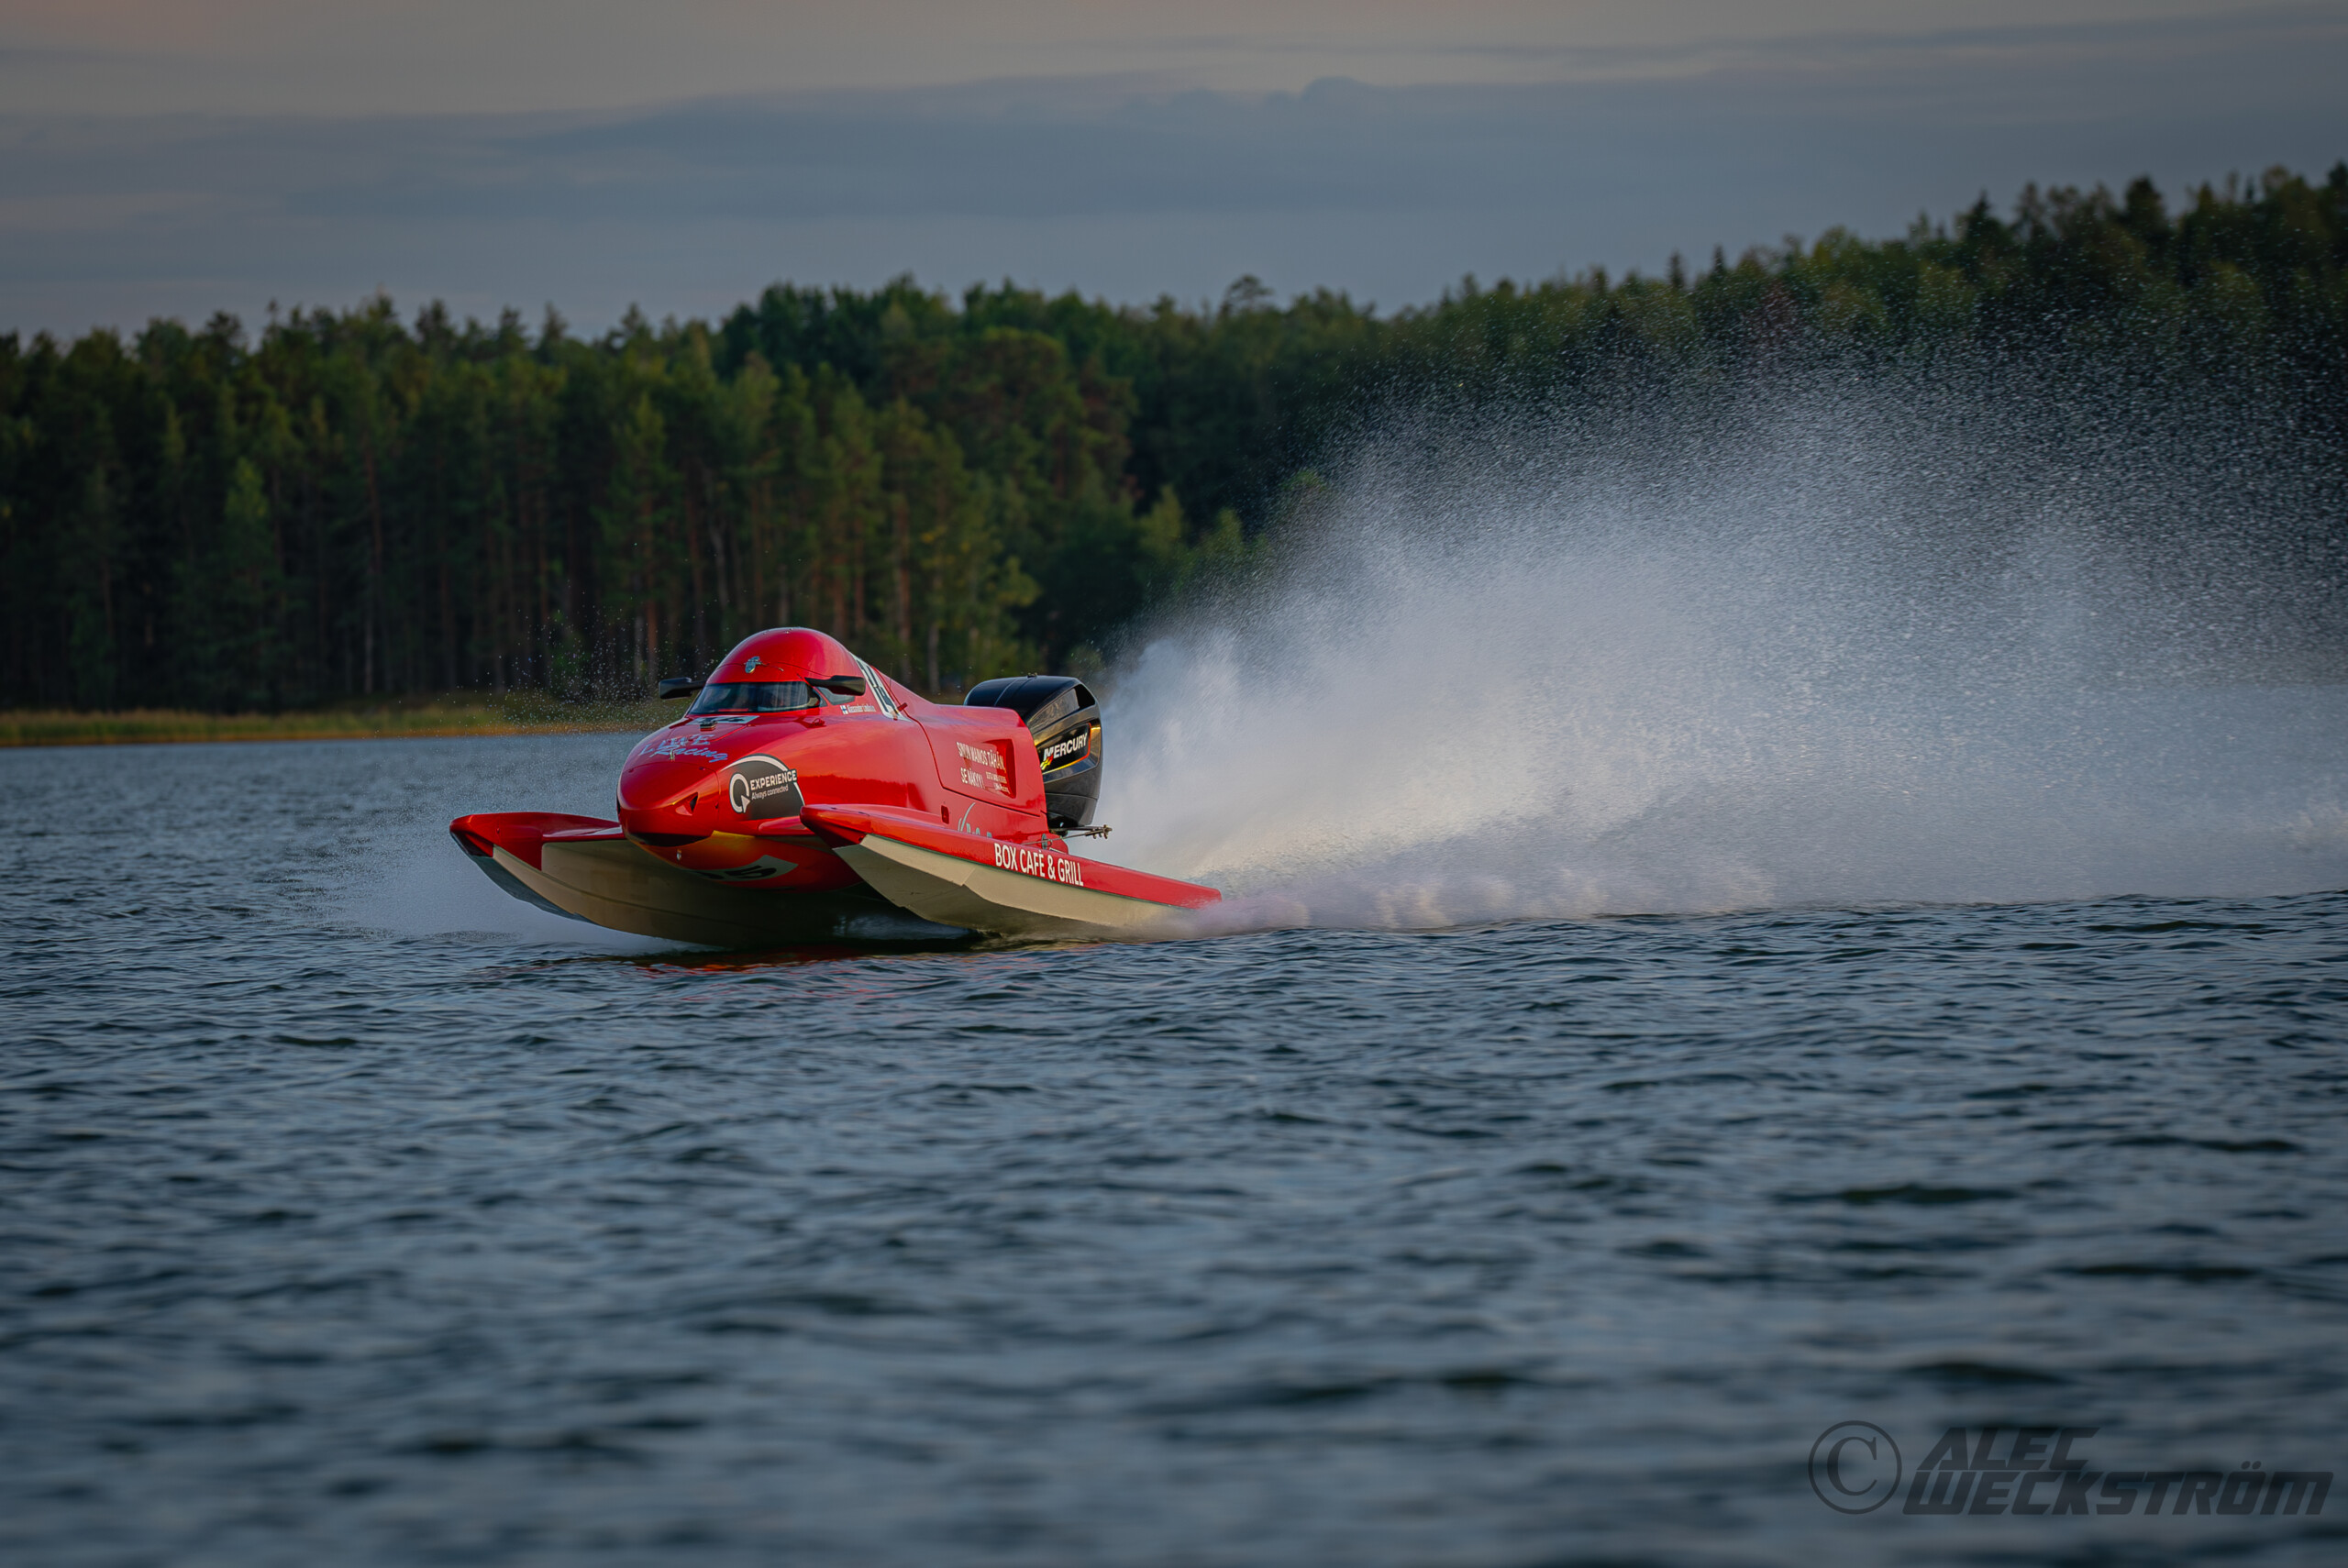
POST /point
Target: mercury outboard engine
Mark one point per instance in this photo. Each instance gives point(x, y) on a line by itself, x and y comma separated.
point(1064, 719)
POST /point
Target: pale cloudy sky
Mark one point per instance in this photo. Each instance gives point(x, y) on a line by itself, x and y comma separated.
point(180, 156)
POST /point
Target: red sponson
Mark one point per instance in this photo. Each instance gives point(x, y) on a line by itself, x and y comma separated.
point(1037, 856)
point(519, 833)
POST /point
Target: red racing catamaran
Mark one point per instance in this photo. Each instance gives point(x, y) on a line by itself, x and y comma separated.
point(805, 797)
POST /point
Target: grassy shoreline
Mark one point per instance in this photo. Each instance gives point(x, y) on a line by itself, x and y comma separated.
point(379, 721)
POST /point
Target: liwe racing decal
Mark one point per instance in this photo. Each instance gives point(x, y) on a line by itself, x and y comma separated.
point(689, 743)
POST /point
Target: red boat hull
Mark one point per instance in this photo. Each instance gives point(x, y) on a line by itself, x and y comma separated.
point(881, 818)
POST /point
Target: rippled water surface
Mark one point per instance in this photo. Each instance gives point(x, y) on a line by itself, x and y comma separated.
point(356, 1214)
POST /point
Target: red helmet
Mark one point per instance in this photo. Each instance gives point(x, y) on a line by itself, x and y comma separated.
point(786, 652)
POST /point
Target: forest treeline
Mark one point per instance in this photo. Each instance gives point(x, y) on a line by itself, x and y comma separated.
point(351, 504)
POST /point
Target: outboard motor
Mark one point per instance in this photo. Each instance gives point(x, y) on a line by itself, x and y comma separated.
point(1064, 719)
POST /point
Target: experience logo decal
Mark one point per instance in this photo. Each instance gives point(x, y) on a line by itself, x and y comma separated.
point(761, 786)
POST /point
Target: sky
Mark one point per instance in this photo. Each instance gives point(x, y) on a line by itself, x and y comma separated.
point(179, 157)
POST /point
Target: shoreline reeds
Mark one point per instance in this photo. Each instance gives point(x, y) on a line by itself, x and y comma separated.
point(379, 721)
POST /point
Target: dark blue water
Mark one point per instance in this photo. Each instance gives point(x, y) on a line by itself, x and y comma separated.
point(350, 1213)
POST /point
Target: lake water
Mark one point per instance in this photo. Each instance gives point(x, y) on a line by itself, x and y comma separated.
point(355, 1213)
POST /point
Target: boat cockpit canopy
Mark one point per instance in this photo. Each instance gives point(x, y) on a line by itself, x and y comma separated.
point(759, 696)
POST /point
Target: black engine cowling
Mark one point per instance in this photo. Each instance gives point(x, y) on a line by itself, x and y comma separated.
point(1064, 719)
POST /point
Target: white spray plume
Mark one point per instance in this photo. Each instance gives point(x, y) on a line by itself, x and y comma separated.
point(1918, 639)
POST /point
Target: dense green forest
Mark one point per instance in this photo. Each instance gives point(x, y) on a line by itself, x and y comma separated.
point(353, 503)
